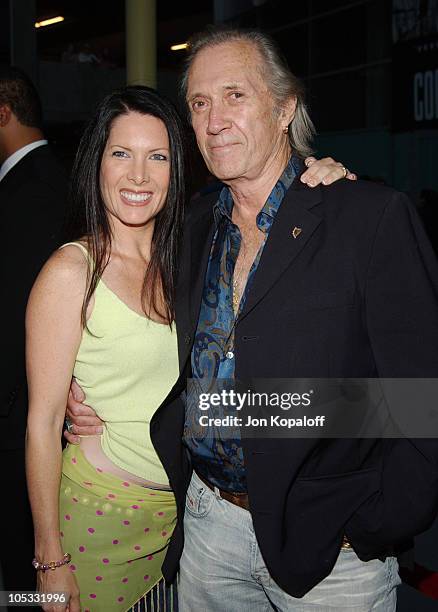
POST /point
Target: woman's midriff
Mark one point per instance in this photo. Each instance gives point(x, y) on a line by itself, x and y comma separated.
point(92, 450)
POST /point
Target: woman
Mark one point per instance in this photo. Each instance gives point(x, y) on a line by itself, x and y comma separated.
point(102, 310)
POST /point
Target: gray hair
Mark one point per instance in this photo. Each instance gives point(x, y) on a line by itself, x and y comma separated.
point(281, 82)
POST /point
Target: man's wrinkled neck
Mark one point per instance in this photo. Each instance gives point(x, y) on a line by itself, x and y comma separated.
point(250, 193)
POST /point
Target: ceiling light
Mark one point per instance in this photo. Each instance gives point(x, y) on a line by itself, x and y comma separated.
point(47, 22)
point(179, 47)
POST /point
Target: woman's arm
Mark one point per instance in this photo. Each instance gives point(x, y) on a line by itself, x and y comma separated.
point(53, 334)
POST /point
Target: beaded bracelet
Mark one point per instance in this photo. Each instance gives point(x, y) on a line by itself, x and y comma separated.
point(52, 565)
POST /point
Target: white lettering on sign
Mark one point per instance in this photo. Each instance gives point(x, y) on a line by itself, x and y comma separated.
point(426, 95)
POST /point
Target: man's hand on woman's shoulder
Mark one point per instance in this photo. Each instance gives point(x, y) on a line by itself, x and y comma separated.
point(325, 171)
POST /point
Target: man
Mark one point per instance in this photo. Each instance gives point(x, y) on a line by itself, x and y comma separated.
point(280, 281)
point(33, 189)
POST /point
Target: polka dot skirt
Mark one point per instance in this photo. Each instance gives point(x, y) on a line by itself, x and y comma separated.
point(115, 534)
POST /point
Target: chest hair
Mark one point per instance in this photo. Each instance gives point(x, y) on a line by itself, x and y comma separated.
point(252, 239)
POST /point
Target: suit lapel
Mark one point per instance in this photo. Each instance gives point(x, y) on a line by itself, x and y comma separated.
point(293, 226)
point(201, 239)
point(194, 259)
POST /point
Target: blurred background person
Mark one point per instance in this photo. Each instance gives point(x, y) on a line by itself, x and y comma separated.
point(33, 199)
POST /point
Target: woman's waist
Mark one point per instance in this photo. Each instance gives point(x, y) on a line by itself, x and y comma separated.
point(92, 448)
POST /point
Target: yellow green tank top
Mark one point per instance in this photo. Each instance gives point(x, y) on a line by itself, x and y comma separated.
point(126, 367)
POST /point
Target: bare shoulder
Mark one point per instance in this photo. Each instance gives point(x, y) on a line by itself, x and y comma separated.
point(64, 273)
point(71, 257)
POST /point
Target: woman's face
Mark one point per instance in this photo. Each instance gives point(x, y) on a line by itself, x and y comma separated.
point(135, 169)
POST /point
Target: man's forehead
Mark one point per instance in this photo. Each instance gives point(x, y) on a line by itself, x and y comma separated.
point(226, 65)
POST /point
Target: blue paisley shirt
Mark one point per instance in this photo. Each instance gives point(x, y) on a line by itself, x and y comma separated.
point(217, 451)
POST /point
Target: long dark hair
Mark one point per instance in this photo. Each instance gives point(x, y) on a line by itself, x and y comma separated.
point(90, 217)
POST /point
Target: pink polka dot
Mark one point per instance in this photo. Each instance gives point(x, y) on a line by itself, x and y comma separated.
point(99, 578)
point(81, 548)
point(140, 500)
point(87, 610)
point(150, 557)
point(105, 560)
point(99, 512)
point(115, 541)
point(88, 484)
point(99, 470)
point(146, 578)
point(164, 533)
point(67, 517)
point(152, 493)
point(73, 460)
point(126, 484)
point(137, 547)
point(72, 567)
point(124, 580)
point(120, 599)
point(160, 513)
point(90, 530)
point(126, 522)
point(111, 496)
point(135, 507)
point(146, 529)
point(92, 595)
point(75, 499)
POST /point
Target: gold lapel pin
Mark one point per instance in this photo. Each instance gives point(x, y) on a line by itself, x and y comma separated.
point(296, 232)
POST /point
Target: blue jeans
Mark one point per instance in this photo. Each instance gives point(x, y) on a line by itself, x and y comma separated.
point(222, 569)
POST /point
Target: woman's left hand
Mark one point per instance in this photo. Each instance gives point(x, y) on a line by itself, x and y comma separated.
point(325, 171)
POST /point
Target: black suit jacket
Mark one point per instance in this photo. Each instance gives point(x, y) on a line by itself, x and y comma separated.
point(354, 295)
point(33, 198)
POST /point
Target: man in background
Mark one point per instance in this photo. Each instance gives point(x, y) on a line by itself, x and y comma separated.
point(33, 195)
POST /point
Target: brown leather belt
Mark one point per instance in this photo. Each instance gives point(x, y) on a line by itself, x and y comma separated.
point(241, 500)
point(238, 499)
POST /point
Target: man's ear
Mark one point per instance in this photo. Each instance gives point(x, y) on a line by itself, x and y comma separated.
point(5, 115)
point(288, 111)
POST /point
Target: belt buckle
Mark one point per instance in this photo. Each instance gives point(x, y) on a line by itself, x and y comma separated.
point(346, 545)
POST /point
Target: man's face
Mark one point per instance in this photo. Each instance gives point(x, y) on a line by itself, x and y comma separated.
point(5, 116)
point(237, 129)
